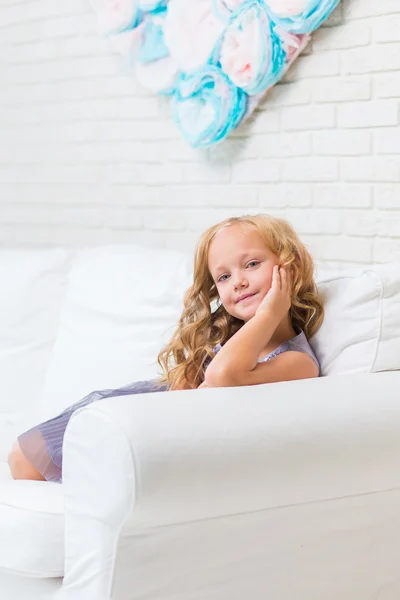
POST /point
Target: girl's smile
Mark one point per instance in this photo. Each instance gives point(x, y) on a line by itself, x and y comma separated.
point(245, 297)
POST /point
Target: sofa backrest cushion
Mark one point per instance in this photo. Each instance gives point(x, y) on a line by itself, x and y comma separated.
point(361, 328)
point(32, 292)
point(122, 306)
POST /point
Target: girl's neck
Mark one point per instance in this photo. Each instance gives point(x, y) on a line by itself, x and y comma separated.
point(283, 332)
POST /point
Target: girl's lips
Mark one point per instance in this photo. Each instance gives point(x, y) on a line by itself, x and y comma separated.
point(247, 297)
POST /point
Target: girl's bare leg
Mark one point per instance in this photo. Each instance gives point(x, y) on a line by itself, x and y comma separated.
point(20, 466)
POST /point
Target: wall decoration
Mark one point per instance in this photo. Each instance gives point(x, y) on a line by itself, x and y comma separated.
point(216, 59)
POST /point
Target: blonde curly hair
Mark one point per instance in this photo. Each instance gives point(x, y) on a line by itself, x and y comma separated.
point(184, 359)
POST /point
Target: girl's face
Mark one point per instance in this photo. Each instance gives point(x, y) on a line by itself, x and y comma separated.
point(241, 265)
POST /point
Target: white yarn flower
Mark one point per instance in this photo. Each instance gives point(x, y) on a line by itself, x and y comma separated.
point(191, 31)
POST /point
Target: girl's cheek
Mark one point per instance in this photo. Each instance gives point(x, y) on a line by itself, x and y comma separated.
point(269, 280)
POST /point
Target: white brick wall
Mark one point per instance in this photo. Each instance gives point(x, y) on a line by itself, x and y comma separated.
point(88, 157)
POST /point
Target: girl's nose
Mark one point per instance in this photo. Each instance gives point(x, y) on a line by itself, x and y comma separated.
point(240, 283)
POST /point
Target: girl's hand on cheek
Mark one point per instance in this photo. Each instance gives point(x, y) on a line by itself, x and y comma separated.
point(278, 300)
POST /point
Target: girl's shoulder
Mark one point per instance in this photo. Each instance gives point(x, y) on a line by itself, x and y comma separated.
point(299, 343)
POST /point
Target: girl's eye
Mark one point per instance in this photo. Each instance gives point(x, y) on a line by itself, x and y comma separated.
point(252, 263)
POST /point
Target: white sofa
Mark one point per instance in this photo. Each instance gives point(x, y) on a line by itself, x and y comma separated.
point(281, 491)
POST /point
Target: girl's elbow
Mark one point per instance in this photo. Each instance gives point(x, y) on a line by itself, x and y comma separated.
point(221, 378)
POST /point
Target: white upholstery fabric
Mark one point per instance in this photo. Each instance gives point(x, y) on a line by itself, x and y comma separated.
point(287, 490)
point(361, 328)
point(122, 305)
point(32, 528)
point(33, 287)
point(14, 587)
point(291, 491)
point(5, 474)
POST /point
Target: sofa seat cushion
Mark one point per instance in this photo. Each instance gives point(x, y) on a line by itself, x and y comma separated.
point(32, 527)
point(5, 474)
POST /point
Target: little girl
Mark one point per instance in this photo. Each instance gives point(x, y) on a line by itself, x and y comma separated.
point(246, 320)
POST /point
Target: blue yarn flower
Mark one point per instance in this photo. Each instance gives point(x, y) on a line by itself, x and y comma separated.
point(153, 46)
point(152, 5)
point(207, 106)
point(223, 9)
point(155, 68)
point(250, 52)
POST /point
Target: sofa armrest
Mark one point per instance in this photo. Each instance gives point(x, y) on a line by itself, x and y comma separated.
point(157, 460)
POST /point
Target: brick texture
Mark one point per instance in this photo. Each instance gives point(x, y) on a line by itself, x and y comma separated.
point(89, 157)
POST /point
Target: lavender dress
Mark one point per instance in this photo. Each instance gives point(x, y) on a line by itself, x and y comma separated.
point(42, 445)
